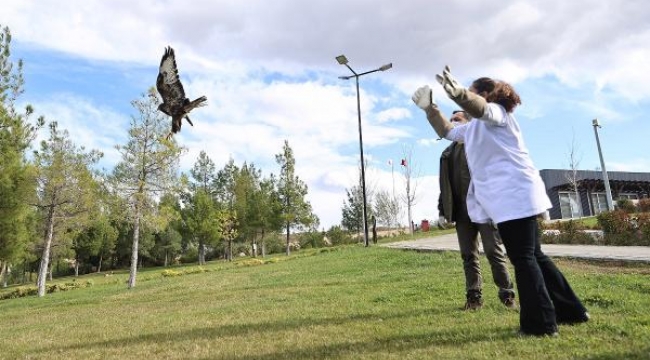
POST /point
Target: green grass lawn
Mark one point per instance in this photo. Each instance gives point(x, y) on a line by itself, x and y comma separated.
point(351, 302)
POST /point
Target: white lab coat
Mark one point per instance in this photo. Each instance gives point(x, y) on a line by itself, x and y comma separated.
point(505, 184)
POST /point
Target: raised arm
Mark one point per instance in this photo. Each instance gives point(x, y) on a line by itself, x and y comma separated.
point(424, 100)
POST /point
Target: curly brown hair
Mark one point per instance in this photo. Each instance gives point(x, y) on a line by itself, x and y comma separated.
point(496, 91)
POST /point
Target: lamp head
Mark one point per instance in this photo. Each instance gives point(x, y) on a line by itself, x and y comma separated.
point(342, 59)
point(594, 122)
point(386, 67)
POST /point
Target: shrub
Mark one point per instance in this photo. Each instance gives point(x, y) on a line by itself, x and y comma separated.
point(250, 262)
point(643, 224)
point(275, 244)
point(626, 205)
point(19, 292)
point(196, 270)
point(541, 225)
point(191, 255)
point(615, 222)
point(170, 273)
point(624, 230)
point(568, 237)
point(312, 239)
point(49, 288)
point(643, 205)
point(339, 237)
point(549, 238)
point(570, 226)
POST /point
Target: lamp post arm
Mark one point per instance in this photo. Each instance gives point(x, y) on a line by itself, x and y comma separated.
point(354, 72)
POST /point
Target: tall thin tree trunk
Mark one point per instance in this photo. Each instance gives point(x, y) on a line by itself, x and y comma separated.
point(134, 250)
point(201, 253)
point(166, 253)
point(45, 257)
point(99, 267)
point(409, 206)
point(76, 266)
point(50, 271)
point(288, 229)
point(5, 273)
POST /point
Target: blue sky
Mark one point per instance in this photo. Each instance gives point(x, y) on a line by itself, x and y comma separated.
point(269, 73)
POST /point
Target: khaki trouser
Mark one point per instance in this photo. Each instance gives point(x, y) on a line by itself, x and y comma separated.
point(492, 246)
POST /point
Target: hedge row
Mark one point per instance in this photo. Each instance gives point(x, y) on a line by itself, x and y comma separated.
point(23, 291)
point(620, 227)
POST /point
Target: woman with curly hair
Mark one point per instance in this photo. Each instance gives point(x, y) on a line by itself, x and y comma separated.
point(507, 189)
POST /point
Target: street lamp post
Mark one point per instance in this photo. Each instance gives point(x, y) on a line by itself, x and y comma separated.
point(344, 61)
point(608, 190)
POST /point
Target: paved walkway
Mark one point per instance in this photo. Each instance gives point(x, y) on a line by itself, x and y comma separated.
point(450, 242)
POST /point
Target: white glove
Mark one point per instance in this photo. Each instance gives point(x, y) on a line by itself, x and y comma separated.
point(449, 83)
point(423, 98)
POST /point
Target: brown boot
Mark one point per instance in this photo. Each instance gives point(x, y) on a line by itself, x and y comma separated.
point(510, 303)
point(474, 300)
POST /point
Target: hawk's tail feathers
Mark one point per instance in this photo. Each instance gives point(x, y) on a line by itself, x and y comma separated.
point(202, 101)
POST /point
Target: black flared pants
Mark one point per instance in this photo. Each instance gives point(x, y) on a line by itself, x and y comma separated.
point(545, 296)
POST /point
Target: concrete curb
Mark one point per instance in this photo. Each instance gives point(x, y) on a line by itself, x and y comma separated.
point(449, 242)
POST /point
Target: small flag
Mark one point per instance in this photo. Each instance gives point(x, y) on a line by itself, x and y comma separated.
point(390, 162)
point(403, 162)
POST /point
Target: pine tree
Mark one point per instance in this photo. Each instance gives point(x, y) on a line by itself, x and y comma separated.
point(17, 177)
point(296, 210)
point(352, 211)
point(66, 191)
point(201, 218)
point(201, 207)
point(147, 168)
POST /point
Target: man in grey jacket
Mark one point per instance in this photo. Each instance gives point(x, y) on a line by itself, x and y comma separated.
point(452, 206)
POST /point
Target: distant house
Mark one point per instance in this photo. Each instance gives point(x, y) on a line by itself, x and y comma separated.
point(591, 199)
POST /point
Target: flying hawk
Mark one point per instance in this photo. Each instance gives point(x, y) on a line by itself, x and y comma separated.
point(169, 86)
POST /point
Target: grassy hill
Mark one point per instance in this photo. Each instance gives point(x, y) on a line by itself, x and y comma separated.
point(350, 302)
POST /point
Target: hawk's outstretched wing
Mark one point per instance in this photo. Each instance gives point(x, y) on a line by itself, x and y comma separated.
point(168, 83)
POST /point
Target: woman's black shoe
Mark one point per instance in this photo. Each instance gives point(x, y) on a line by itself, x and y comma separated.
point(580, 319)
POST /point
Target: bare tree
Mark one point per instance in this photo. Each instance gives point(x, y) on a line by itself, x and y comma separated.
point(387, 209)
point(572, 174)
point(410, 171)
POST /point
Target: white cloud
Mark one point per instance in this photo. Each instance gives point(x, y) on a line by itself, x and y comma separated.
point(635, 164)
point(269, 71)
point(572, 40)
point(89, 125)
point(428, 142)
point(393, 114)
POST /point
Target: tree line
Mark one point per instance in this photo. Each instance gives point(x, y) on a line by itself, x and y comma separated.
point(58, 212)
